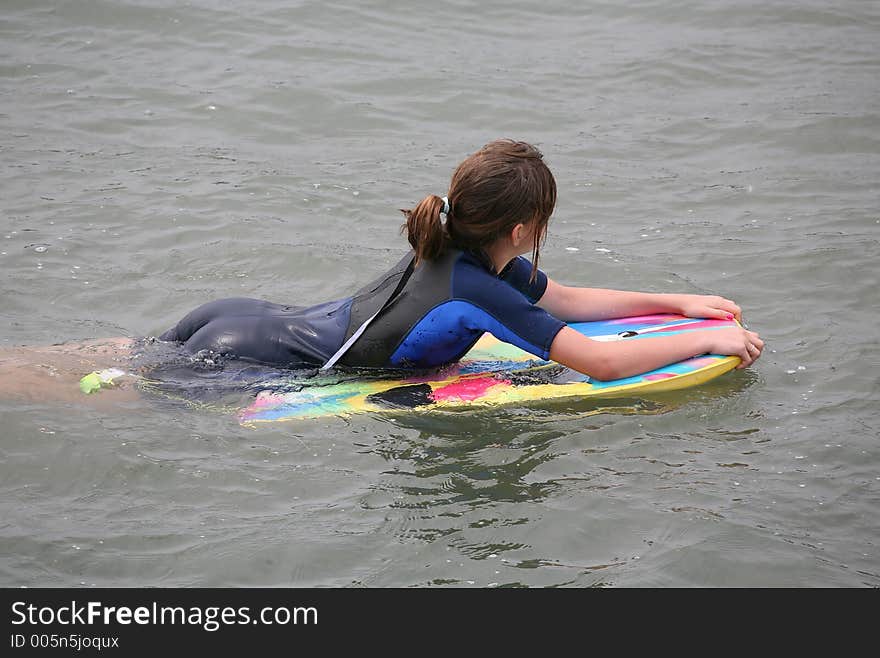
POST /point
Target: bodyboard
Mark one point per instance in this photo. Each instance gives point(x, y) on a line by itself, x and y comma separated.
point(494, 373)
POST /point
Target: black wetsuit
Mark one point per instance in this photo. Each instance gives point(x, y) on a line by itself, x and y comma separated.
point(443, 309)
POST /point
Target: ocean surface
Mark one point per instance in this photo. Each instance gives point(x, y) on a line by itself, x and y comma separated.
point(155, 155)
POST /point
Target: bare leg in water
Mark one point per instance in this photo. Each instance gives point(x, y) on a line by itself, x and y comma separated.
point(53, 372)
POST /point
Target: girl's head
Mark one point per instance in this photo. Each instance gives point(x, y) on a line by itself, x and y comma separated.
point(502, 185)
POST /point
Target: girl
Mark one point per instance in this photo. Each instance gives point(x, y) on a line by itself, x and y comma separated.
point(465, 276)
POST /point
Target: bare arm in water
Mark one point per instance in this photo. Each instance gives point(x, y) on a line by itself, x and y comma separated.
point(53, 372)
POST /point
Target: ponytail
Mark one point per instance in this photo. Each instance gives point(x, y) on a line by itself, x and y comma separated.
point(425, 230)
point(503, 184)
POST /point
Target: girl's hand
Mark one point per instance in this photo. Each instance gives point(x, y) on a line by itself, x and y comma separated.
point(708, 306)
point(736, 341)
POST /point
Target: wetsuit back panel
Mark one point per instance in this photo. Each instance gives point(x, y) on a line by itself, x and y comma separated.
point(445, 307)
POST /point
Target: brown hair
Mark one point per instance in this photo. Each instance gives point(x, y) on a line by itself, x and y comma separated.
point(503, 184)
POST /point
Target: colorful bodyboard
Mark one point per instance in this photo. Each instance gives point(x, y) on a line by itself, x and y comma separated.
point(494, 373)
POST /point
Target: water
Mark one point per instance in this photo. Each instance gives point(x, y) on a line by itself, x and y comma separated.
point(155, 155)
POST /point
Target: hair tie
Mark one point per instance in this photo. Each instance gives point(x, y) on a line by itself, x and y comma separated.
point(446, 207)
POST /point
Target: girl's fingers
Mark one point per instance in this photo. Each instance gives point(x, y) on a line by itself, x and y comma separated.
point(756, 340)
point(716, 313)
point(723, 309)
point(711, 306)
point(731, 307)
point(752, 350)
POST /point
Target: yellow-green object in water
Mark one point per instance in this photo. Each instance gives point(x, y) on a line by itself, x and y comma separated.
point(99, 379)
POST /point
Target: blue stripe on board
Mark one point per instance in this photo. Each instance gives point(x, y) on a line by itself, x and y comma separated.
point(682, 368)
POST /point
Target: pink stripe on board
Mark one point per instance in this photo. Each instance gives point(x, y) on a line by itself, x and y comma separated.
point(691, 326)
point(701, 362)
point(704, 324)
point(649, 319)
point(266, 399)
point(658, 376)
point(468, 389)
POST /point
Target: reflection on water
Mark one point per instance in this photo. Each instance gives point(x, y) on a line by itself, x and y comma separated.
point(453, 445)
point(467, 478)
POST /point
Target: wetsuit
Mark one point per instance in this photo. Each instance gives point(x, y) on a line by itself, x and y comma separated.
point(442, 310)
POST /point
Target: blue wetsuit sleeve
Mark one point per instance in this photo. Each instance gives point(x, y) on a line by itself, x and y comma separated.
point(517, 274)
point(505, 311)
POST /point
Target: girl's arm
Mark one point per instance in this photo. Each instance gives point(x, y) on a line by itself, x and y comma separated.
point(624, 358)
point(572, 304)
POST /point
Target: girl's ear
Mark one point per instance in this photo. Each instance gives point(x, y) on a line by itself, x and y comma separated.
point(518, 234)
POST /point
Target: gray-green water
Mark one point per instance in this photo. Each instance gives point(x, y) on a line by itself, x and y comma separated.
point(155, 155)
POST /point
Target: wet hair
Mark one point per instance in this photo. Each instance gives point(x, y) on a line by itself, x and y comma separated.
point(503, 184)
